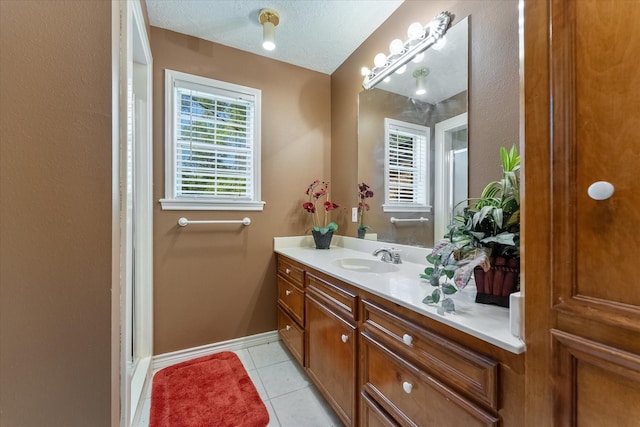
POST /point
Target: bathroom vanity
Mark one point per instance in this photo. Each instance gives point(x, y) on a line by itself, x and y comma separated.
point(379, 355)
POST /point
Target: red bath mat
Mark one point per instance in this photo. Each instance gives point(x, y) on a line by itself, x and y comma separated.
point(206, 392)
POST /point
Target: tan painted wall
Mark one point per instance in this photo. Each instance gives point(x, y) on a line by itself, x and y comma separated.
point(55, 213)
point(217, 282)
point(493, 89)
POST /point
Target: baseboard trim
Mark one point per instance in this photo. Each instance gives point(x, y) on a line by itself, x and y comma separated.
point(167, 359)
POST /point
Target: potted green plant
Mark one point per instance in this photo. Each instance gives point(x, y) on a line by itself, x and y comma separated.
point(322, 230)
point(440, 275)
point(485, 239)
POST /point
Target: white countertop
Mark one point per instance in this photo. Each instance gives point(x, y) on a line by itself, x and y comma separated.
point(489, 323)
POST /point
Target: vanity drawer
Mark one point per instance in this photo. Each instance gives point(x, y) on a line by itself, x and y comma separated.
point(291, 270)
point(341, 300)
point(371, 415)
point(292, 335)
point(470, 373)
point(412, 396)
point(292, 299)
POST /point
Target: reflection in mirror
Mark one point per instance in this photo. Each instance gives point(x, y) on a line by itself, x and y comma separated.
point(442, 110)
point(451, 172)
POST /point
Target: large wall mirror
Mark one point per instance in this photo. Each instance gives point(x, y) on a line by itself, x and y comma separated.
point(436, 121)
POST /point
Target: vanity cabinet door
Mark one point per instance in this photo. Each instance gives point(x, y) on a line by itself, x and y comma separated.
point(582, 296)
point(331, 355)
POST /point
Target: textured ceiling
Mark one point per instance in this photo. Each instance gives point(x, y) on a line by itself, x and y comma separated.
point(315, 34)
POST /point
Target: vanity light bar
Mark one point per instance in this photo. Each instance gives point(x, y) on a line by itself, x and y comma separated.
point(431, 33)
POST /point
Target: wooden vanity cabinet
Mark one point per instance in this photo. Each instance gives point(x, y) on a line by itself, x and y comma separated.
point(331, 343)
point(379, 364)
point(291, 306)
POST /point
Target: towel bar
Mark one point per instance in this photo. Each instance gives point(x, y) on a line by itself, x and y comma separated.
point(421, 219)
point(183, 222)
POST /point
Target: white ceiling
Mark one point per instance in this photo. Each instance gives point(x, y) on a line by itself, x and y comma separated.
point(315, 34)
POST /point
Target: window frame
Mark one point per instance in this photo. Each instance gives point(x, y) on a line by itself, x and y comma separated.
point(416, 206)
point(172, 201)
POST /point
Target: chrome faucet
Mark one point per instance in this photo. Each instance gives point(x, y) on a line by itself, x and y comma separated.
point(389, 255)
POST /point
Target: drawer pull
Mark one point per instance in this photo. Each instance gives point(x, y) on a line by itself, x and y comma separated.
point(288, 327)
point(407, 339)
point(344, 338)
point(407, 387)
point(288, 271)
point(287, 292)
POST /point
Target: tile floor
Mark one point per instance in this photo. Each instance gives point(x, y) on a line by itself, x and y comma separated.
point(290, 397)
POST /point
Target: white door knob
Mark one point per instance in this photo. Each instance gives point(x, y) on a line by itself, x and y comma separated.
point(288, 327)
point(287, 292)
point(287, 271)
point(408, 339)
point(600, 190)
point(344, 338)
point(407, 387)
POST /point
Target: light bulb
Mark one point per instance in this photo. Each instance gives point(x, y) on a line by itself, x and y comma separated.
point(396, 47)
point(401, 69)
point(415, 31)
point(364, 71)
point(380, 59)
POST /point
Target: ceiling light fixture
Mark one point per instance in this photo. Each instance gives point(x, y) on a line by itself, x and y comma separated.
point(421, 85)
point(269, 19)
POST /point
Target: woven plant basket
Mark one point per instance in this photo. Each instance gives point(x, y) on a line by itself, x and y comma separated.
point(502, 279)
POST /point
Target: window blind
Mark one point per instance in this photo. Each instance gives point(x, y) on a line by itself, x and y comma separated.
point(406, 167)
point(213, 144)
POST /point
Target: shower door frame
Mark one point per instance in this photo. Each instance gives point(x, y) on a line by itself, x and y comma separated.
point(132, 246)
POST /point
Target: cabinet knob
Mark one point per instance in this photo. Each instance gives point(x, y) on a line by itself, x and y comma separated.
point(287, 292)
point(287, 270)
point(407, 339)
point(344, 338)
point(288, 327)
point(407, 387)
point(600, 190)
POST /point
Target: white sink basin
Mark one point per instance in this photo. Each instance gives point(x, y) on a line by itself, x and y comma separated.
point(363, 265)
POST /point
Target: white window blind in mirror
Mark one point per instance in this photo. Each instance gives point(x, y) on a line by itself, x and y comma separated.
point(212, 144)
point(406, 162)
